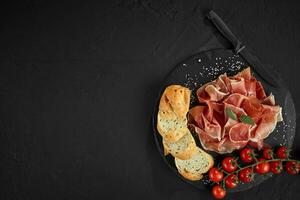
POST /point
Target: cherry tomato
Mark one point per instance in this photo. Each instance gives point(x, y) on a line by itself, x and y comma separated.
point(246, 175)
point(247, 155)
point(262, 168)
point(215, 174)
point(276, 167)
point(282, 152)
point(218, 192)
point(292, 168)
point(231, 181)
point(267, 153)
point(229, 164)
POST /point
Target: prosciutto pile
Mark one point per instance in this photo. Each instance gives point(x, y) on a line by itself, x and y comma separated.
point(243, 95)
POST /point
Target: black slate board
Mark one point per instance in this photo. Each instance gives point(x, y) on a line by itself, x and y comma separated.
point(207, 66)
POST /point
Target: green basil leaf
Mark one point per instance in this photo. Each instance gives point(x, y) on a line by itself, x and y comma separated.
point(231, 114)
point(247, 120)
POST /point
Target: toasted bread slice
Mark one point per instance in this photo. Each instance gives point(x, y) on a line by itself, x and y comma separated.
point(190, 160)
point(171, 129)
point(198, 164)
point(173, 107)
point(183, 148)
point(175, 100)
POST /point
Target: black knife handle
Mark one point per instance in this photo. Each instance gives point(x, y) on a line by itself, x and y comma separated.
point(226, 32)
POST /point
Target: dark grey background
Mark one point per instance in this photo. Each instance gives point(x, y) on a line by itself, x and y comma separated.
point(78, 82)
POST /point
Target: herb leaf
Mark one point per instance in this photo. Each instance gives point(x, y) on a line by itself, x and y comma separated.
point(246, 119)
point(231, 114)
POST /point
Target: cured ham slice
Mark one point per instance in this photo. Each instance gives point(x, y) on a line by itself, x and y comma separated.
point(195, 116)
point(251, 88)
point(213, 128)
point(260, 93)
point(240, 132)
point(235, 99)
point(270, 100)
point(243, 95)
point(238, 86)
point(223, 83)
point(229, 124)
point(264, 127)
point(228, 146)
point(237, 110)
point(246, 74)
point(214, 93)
point(253, 108)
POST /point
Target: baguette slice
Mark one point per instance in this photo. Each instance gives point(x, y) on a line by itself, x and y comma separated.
point(173, 107)
point(171, 129)
point(194, 167)
point(183, 149)
point(175, 99)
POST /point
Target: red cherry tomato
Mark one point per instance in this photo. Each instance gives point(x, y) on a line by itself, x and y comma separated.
point(247, 155)
point(218, 192)
point(215, 174)
point(276, 167)
point(267, 153)
point(246, 175)
point(231, 181)
point(262, 168)
point(292, 168)
point(229, 164)
point(282, 152)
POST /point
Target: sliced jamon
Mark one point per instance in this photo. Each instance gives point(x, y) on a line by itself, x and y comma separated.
point(238, 85)
point(253, 109)
point(275, 109)
point(240, 132)
point(251, 88)
point(226, 81)
point(260, 92)
point(227, 146)
point(194, 128)
point(222, 82)
point(214, 93)
point(223, 146)
point(265, 126)
point(279, 115)
point(219, 117)
point(270, 100)
point(208, 112)
point(195, 115)
point(253, 131)
point(212, 109)
point(207, 142)
point(213, 128)
point(229, 124)
point(250, 81)
point(237, 110)
point(215, 106)
point(267, 108)
point(241, 94)
point(246, 74)
point(235, 99)
point(202, 95)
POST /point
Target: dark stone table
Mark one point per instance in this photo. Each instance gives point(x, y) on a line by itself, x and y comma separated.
point(78, 82)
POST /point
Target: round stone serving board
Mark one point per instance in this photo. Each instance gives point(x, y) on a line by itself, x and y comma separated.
point(207, 66)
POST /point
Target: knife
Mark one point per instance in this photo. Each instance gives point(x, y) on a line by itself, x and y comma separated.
point(240, 48)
